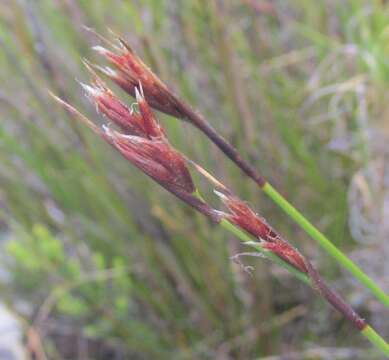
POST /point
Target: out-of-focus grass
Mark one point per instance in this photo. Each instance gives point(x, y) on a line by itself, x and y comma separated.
point(123, 266)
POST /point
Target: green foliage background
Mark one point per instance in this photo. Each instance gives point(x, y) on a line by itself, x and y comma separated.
point(94, 251)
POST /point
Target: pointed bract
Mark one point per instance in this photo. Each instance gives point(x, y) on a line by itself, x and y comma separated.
point(149, 121)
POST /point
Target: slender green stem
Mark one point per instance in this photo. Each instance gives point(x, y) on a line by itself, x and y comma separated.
point(326, 243)
point(376, 340)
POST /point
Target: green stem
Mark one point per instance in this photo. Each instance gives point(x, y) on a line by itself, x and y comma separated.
point(376, 340)
point(326, 243)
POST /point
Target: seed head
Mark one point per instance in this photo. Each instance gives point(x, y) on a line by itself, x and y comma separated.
point(242, 216)
point(245, 218)
point(145, 144)
point(130, 70)
point(110, 106)
point(155, 157)
point(141, 124)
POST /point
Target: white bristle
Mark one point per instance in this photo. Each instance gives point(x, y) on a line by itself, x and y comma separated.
point(90, 90)
point(221, 195)
point(138, 95)
point(107, 130)
point(141, 89)
point(109, 71)
point(100, 49)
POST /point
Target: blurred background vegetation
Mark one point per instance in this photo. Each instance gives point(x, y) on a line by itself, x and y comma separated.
point(98, 262)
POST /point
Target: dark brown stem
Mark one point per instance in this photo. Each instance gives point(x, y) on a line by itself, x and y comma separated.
point(196, 119)
point(334, 298)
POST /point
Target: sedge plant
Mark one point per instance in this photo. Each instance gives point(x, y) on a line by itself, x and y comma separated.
point(141, 140)
point(128, 70)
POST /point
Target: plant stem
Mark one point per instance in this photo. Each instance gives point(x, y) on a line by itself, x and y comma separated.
point(326, 243)
point(197, 120)
point(376, 340)
point(318, 284)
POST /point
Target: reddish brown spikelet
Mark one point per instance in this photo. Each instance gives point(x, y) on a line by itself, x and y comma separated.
point(152, 154)
point(142, 124)
point(245, 218)
point(130, 70)
point(110, 106)
point(126, 60)
point(287, 252)
point(149, 121)
point(154, 157)
point(145, 145)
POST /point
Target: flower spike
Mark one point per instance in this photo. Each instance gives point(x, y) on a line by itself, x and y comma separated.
point(155, 157)
point(144, 145)
point(111, 107)
point(130, 70)
point(242, 216)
